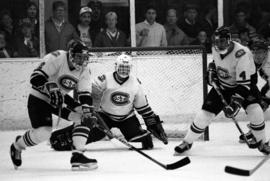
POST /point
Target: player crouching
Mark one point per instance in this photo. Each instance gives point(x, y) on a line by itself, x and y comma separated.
point(120, 94)
point(59, 73)
point(231, 74)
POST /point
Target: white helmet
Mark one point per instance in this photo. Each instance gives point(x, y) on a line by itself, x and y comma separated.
point(123, 65)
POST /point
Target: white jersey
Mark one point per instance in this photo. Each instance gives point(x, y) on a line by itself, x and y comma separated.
point(56, 68)
point(236, 67)
point(119, 100)
point(265, 68)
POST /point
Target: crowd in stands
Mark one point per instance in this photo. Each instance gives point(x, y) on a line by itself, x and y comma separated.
point(21, 38)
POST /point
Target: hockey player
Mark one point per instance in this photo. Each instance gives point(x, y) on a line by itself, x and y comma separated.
point(120, 95)
point(59, 73)
point(262, 60)
point(233, 70)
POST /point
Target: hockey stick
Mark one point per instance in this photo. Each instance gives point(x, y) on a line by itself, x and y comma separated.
point(217, 88)
point(59, 115)
point(103, 127)
point(245, 172)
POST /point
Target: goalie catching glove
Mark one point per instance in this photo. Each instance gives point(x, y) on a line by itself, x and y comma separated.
point(88, 118)
point(154, 125)
point(234, 107)
point(56, 97)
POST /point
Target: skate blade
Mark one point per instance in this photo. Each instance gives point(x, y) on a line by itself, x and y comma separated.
point(15, 167)
point(84, 167)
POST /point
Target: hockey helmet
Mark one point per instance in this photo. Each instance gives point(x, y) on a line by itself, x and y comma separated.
point(78, 54)
point(123, 65)
point(222, 39)
point(260, 51)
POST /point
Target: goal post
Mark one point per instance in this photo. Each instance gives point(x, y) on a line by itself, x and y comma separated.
point(172, 78)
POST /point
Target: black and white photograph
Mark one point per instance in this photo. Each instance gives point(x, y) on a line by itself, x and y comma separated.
point(135, 90)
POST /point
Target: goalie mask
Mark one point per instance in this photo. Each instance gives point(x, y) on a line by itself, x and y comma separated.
point(222, 39)
point(260, 52)
point(78, 54)
point(123, 65)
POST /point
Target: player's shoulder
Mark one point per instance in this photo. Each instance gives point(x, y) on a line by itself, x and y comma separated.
point(58, 55)
point(134, 79)
point(240, 50)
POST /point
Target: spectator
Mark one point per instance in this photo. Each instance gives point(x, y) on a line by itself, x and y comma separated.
point(264, 30)
point(5, 52)
point(190, 24)
point(27, 45)
point(32, 18)
point(175, 36)
point(58, 31)
point(6, 25)
point(83, 28)
point(202, 39)
point(149, 32)
point(241, 30)
point(210, 21)
point(111, 36)
point(96, 18)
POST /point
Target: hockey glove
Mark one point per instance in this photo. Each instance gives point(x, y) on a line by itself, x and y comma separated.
point(211, 75)
point(88, 118)
point(234, 107)
point(265, 101)
point(154, 125)
point(56, 97)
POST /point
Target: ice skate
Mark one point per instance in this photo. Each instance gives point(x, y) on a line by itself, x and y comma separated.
point(184, 146)
point(81, 162)
point(264, 148)
point(16, 155)
point(248, 135)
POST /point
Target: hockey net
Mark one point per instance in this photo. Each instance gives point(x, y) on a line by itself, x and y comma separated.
point(172, 79)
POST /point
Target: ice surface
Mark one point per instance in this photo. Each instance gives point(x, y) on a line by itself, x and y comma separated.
point(117, 163)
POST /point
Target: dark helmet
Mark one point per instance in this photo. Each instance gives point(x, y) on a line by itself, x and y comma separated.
point(260, 52)
point(258, 45)
point(222, 39)
point(78, 53)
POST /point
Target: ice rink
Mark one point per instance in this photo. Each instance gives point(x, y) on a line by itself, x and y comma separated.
point(117, 163)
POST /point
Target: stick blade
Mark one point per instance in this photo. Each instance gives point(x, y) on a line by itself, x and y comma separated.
point(178, 164)
point(237, 171)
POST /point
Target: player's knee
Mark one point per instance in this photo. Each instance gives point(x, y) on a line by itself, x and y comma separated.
point(42, 134)
point(203, 119)
point(255, 113)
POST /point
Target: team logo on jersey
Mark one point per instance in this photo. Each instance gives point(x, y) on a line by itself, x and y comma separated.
point(120, 98)
point(223, 73)
point(68, 82)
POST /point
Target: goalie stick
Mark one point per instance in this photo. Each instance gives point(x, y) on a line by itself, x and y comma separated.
point(245, 172)
point(103, 127)
point(217, 88)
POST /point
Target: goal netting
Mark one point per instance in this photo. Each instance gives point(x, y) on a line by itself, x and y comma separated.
point(172, 78)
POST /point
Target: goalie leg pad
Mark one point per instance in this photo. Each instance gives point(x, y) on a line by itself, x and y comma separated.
point(133, 132)
point(61, 140)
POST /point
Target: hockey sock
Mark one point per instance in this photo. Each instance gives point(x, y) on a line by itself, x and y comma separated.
point(267, 115)
point(80, 136)
point(201, 121)
point(256, 118)
point(33, 137)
